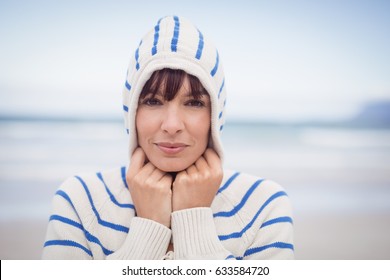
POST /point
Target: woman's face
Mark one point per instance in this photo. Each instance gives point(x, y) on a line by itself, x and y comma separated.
point(173, 134)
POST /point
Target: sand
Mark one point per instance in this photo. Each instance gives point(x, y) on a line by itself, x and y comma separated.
point(319, 237)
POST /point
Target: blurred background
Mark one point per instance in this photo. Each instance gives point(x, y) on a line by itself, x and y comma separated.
point(308, 106)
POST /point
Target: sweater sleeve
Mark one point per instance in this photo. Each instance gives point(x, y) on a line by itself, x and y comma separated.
point(146, 240)
point(195, 235)
point(72, 232)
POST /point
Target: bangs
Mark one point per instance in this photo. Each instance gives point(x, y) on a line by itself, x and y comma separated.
point(168, 82)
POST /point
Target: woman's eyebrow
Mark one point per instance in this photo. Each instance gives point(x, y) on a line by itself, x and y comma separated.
point(198, 94)
point(154, 93)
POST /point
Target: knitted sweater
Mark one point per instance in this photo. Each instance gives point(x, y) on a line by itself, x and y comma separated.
point(93, 217)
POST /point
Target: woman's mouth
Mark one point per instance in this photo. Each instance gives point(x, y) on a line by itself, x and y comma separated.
point(171, 148)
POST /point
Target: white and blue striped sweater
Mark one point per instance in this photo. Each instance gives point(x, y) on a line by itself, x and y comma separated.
point(93, 218)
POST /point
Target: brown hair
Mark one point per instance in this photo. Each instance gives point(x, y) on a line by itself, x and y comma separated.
point(171, 80)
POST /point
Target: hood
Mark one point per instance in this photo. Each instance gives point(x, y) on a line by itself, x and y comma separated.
point(174, 42)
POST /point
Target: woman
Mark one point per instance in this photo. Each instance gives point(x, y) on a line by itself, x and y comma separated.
point(174, 201)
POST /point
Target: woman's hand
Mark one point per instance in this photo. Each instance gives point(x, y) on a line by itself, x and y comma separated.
point(150, 189)
point(198, 184)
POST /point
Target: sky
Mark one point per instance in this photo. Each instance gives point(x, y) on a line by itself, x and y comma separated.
point(283, 60)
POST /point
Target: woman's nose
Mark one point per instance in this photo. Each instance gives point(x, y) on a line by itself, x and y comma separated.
point(172, 122)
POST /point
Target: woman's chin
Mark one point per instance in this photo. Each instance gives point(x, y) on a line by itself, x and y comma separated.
point(171, 167)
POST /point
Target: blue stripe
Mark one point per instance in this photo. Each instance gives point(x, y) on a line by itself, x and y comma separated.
point(127, 131)
point(123, 175)
point(221, 88)
point(156, 35)
point(112, 197)
point(94, 239)
point(230, 257)
point(125, 108)
point(223, 107)
point(242, 202)
point(228, 182)
point(66, 221)
point(88, 235)
point(100, 221)
point(67, 198)
point(279, 245)
point(175, 34)
point(285, 219)
point(67, 243)
point(240, 233)
point(220, 115)
point(215, 69)
point(200, 46)
point(128, 86)
point(137, 56)
point(220, 128)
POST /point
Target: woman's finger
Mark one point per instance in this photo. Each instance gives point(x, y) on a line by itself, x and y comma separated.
point(192, 170)
point(201, 164)
point(156, 174)
point(212, 159)
point(137, 162)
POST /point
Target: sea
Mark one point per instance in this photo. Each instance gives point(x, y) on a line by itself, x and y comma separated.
point(328, 170)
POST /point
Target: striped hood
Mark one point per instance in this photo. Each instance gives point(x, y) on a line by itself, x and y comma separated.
point(177, 44)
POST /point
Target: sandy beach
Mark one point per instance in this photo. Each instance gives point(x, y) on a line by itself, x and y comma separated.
point(322, 237)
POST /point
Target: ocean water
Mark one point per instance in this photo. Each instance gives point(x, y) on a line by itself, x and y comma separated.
point(327, 171)
point(324, 170)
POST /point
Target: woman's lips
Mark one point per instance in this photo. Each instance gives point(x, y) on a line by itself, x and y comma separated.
point(171, 148)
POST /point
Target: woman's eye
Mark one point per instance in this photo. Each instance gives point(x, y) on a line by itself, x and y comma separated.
point(151, 102)
point(195, 103)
